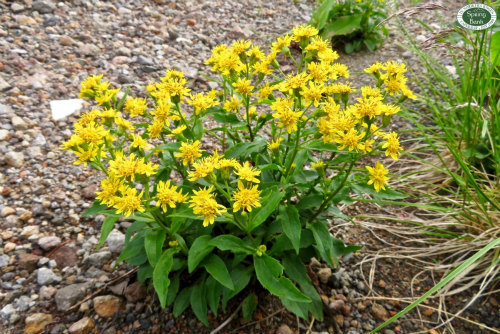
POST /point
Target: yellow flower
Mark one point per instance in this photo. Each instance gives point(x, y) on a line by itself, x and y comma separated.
point(105, 96)
point(233, 104)
point(129, 201)
point(339, 88)
point(318, 164)
point(202, 168)
point(189, 152)
point(393, 67)
point(226, 163)
point(368, 145)
point(378, 176)
point(156, 128)
point(368, 107)
point(203, 203)
point(86, 155)
point(340, 70)
point(392, 145)
point(147, 169)
point(88, 117)
point(139, 142)
point(328, 56)
point(109, 186)
point(168, 195)
point(172, 74)
point(201, 102)
point(350, 139)
point(395, 83)
point(243, 86)
point(368, 91)
point(162, 110)
point(74, 141)
point(408, 93)
point(256, 54)
point(123, 167)
point(293, 82)
point(275, 144)
point(304, 31)
point(247, 173)
point(123, 123)
point(287, 118)
point(246, 198)
point(264, 92)
point(318, 44)
point(262, 67)
point(175, 87)
point(241, 46)
point(91, 133)
point(178, 130)
point(135, 106)
point(281, 42)
point(313, 93)
point(374, 68)
point(87, 87)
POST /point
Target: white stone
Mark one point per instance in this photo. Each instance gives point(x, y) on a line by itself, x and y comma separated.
point(116, 241)
point(63, 108)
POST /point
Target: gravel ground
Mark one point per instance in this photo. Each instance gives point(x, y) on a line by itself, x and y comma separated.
point(48, 260)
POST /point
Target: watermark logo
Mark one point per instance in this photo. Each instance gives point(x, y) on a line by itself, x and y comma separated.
point(476, 16)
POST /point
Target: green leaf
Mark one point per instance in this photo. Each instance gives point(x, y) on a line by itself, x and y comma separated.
point(370, 43)
point(231, 243)
point(144, 272)
point(172, 147)
point(323, 241)
point(122, 100)
point(200, 248)
point(300, 309)
point(320, 15)
point(343, 25)
point(297, 270)
point(214, 290)
point(160, 275)
point(310, 201)
point(133, 247)
point(383, 194)
point(249, 305)
point(217, 268)
point(269, 204)
point(227, 118)
point(153, 243)
point(182, 301)
point(319, 145)
point(173, 288)
point(271, 279)
point(243, 150)
point(240, 276)
point(340, 249)
point(106, 228)
point(495, 49)
point(290, 220)
point(94, 209)
point(199, 302)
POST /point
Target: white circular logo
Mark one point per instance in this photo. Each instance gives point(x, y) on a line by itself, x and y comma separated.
point(476, 16)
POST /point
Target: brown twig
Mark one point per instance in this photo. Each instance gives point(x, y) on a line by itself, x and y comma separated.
point(254, 322)
point(227, 321)
point(413, 10)
point(310, 325)
point(58, 246)
point(98, 291)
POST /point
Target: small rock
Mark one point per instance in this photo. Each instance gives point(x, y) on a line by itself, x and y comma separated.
point(4, 260)
point(7, 311)
point(381, 284)
point(89, 50)
point(16, 7)
point(43, 6)
point(22, 303)
point(66, 41)
point(36, 323)
point(82, 326)
point(336, 306)
point(324, 275)
point(45, 276)
point(119, 288)
point(30, 230)
point(7, 211)
point(89, 192)
point(70, 295)
point(9, 247)
point(380, 312)
point(28, 261)
point(4, 85)
point(99, 259)
point(135, 292)
point(191, 22)
point(18, 123)
point(339, 319)
point(116, 241)
point(47, 292)
point(14, 159)
point(284, 329)
point(47, 243)
point(4, 134)
point(106, 306)
point(65, 257)
point(34, 151)
point(26, 215)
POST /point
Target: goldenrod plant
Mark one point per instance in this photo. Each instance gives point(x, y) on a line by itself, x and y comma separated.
point(286, 149)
